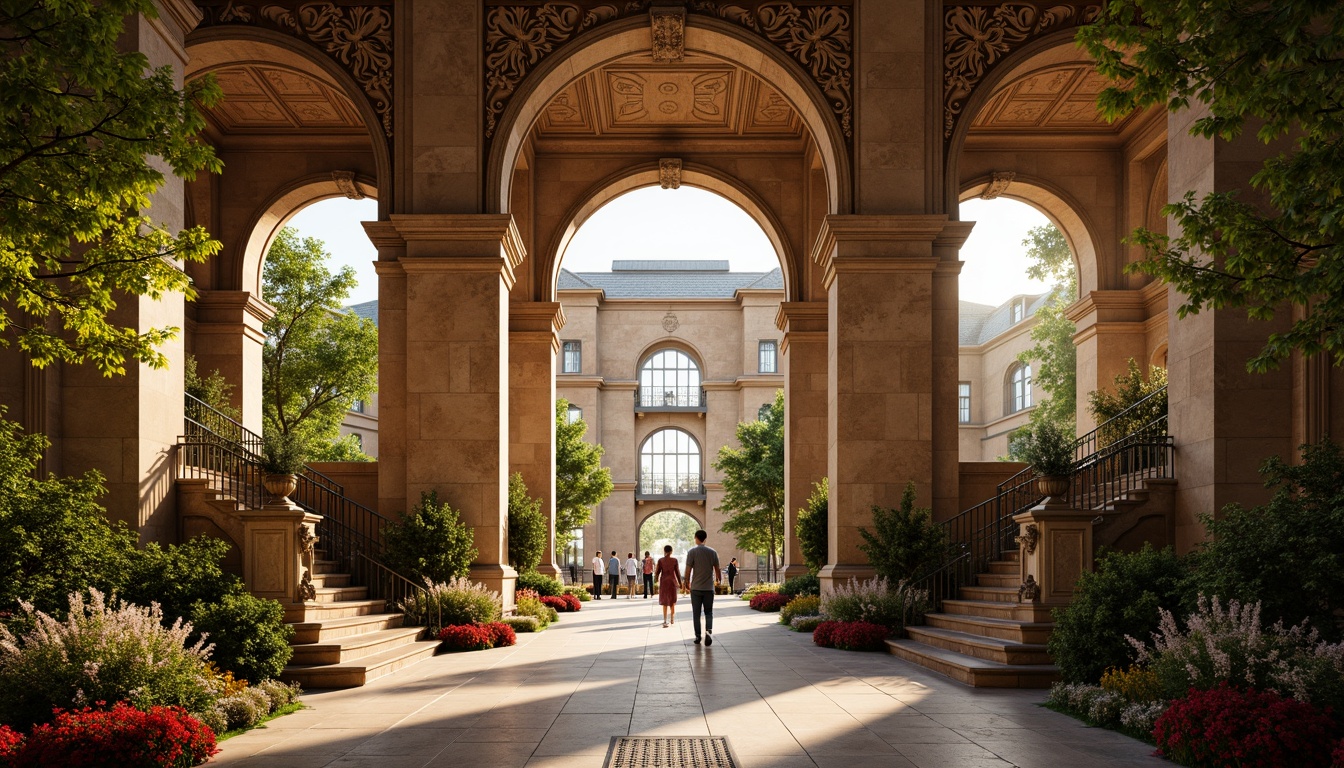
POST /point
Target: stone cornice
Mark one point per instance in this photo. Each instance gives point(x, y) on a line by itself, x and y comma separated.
point(1109, 307)
point(802, 317)
point(232, 306)
point(863, 243)
point(536, 317)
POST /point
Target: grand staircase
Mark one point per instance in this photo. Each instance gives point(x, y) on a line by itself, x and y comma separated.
point(981, 633)
point(347, 635)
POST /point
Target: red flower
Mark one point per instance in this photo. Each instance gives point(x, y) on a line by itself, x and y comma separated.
point(10, 741)
point(850, 635)
point(572, 601)
point(769, 601)
point(1230, 727)
point(558, 603)
point(121, 737)
point(466, 637)
point(501, 634)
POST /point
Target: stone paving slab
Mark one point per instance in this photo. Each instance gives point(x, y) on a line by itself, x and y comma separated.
point(557, 698)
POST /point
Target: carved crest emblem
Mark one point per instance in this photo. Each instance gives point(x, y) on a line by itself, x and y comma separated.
point(670, 322)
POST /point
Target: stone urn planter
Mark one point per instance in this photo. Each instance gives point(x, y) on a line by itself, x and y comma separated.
point(280, 486)
point(1053, 485)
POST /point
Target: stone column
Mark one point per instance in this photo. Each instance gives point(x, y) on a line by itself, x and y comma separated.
point(1225, 421)
point(804, 356)
point(229, 338)
point(884, 344)
point(457, 271)
point(1111, 328)
point(534, 342)
point(1056, 548)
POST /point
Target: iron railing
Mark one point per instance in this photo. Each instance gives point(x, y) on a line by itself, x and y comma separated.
point(229, 469)
point(400, 593)
point(679, 484)
point(670, 397)
point(1121, 453)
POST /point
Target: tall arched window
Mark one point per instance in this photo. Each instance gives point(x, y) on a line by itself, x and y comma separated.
point(669, 378)
point(1017, 394)
point(669, 464)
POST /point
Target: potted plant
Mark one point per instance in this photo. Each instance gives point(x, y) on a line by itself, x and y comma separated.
point(1049, 450)
point(282, 459)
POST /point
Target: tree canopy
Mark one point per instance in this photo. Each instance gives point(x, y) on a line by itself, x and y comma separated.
point(1051, 260)
point(581, 482)
point(1275, 68)
point(318, 359)
point(753, 483)
point(86, 130)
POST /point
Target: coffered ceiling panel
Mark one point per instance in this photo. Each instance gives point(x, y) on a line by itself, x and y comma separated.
point(262, 99)
point(1060, 97)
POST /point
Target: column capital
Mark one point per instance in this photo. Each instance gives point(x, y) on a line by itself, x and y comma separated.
point(451, 242)
point(539, 320)
point(802, 317)
point(232, 306)
point(858, 243)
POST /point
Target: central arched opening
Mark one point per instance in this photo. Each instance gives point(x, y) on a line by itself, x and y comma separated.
point(668, 527)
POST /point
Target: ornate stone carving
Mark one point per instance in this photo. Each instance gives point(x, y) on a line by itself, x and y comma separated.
point(520, 34)
point(357, 34)
point(669, 177)
point(1030, 591)
point(977, 36)
point(998, 184)
point(345, 181)
point(307, 553)
point(1029, 537)
point(668, 24)
point(670, 322)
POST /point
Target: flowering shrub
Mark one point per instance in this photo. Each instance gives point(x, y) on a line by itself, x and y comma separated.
point(1337, 759)
point(769, 601)
point(211, 717)
point(758, 588)
point(222, 682)
point(120, 737)
point(573, 602)
point(584, 594)
point(501, 634)
point(878, 602)
point(10, 741)
point(540, 583)
point(1229, 645)
point(280, 694)
point(532, 606)
point(245, 708)
point(806, 623)
point(466, 637)
point(1140, 717)
point(521, 623)
point(1107, 708)
point(850, 635)
point(1134, 684)
point(562, 603)
point(99, 653)
point(1229, 727)
point(460, 601)
point(806, 605)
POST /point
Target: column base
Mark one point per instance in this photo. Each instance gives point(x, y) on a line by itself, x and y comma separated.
point(790, 571)
point(841, 573)
point(499, 578)
point(549, 569)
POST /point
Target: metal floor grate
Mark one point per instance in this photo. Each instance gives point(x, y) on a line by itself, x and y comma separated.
point(671, 752)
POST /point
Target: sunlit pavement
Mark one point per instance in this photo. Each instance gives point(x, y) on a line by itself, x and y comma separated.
point(559, 696)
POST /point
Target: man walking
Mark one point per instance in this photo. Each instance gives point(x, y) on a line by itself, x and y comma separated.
point(614, 573)
point(648, 574)
point(599, 570)
point(701, 561)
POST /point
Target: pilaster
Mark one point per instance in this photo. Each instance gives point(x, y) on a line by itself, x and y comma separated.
point(803, 350)
point(230, 338)
point(534, 341)
point(1111, 327)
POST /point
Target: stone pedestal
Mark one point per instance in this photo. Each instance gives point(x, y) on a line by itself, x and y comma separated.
point(277, 551)
point(804, 356)
point(1056, 548)
point(885, 351)
point(534, 342)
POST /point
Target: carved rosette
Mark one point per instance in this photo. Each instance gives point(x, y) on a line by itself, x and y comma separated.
point(356, 34)
point(520, 34)
point(979, 35)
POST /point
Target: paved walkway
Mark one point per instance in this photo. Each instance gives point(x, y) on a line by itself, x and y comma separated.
point(557, 698)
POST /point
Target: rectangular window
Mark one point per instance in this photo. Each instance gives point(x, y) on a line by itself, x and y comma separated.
point(1019, 307)
point(964, 402)
point(573, 357)
point(766, 357)
point(358, 406)
point(573, 414)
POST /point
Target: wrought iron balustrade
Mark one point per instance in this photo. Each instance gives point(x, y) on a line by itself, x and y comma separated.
point(670, 397)
point(685, 484)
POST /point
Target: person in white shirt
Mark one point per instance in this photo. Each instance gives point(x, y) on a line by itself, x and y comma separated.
point(631, 571)
point(599, 572)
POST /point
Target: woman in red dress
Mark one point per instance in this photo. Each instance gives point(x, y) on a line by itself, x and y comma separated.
point(668, 575)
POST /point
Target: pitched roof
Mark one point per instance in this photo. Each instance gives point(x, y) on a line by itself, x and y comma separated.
point(367, 310)
point(670, 279)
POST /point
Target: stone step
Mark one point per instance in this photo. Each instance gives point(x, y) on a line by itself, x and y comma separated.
point(325, 566)
point(324, 580)
point(992, 609)
point(325, 630)
point(351, 647)
point(355, 673)
point(1012, 556)
point(997, 580)
point(345, 594)
point(1003, 629)
point(980, 647)
point(306, 612)
point(1005, 567)
point(990, 594)
point(979, 673)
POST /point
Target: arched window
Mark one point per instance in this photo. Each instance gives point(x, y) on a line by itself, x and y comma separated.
point(669, 464)
point(669, 378)
point(1018, 390)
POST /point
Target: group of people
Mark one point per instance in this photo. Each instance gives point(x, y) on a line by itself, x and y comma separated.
point(701, 575)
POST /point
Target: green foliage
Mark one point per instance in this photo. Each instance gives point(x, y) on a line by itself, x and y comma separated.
point(1287, 554)
point(87, 133)
point(249, 633)
point(759, 588)
point(430, 543)
point(905, 542)
point(532, 607)
point(803, 605)
point(1047, 447)
point(283, 453)
point(522, 623)
point(528, 526)
point(213, 390)
point(1130, 389)
point(671, 526)
point(879, 601)
point(1054, 357)
point(753, 484)
point(347, 448)
point(801, 585)
point(177, 576)
point(813, 526)
point(1120, 597)
point(1279, 68)
point(542, 584)
point(318, 359)
point(581, 482)
point(54, 537)
point(458, 601)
